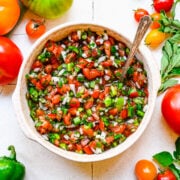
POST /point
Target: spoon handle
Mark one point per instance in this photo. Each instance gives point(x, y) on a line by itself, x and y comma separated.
point(144, 24)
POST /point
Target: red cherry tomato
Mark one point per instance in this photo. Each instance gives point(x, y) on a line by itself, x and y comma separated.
point(165, 5)
point(35, 28)
point(145, 170)
point(170, 108)
point(155, 20)
point(10, 60)
point(166, 175)
point(139, 13)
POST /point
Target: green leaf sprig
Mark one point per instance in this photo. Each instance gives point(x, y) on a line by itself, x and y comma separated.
point(166, 160)
point(170, 61)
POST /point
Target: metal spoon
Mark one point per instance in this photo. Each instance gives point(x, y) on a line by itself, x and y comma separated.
point(144, 24)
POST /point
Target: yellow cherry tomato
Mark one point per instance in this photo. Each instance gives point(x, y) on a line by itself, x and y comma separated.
point(154, 38)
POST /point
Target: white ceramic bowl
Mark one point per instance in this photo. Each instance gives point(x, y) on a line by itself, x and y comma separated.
point(22, 110)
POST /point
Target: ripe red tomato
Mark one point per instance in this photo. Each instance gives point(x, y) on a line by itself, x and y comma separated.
point(139, 13)
point(9, 15)
point(10, 60)
point(35, 28)
point(170, 108)
point(165, 5)
point(145, 170)
point(166, 175)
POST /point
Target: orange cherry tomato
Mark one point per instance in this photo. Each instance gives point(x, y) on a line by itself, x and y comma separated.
point(145, 170)
point(154, 38)
point(35, 28)
point(9, 15)
point(155, 20)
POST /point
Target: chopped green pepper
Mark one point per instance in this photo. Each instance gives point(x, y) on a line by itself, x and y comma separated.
point(119, 103)
point(10, 168)
point(108, 101)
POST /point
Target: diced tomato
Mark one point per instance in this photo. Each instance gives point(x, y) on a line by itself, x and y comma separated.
point(39, 112)
point(67, 119)
point(109, 139)
point(124, 114)
point(37, 64)
point(45, 127)
point(96, 93)
point(74, 102)
point(39, 86)
point(56, 99)
point(107, 48)
point(74, 36)
point(82, 63)
point(87, 149)
point(70, 57)
point(119, 129)
point(48, 68)
point(113, 111)
point(88, 131)
point(107, 63)
point(78, 147)
point(133, 93)
point(92, 144)
point(64, 89)
point(52, 116)
point(101, 125)
point(45, 80)
point(88, 104)
point(73, 111)
point(91, 73)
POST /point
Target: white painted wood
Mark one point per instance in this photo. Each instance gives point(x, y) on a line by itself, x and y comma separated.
point(42, 164)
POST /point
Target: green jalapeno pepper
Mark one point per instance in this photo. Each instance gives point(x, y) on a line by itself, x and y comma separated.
point(10, 168)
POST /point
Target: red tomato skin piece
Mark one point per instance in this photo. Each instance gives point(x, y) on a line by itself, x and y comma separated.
point(10, 60)
point(170, 108)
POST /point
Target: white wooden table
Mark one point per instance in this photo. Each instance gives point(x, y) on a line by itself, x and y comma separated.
point(42, 164)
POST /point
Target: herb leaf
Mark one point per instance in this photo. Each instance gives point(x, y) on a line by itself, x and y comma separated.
point(166, 84)
point(164, 158)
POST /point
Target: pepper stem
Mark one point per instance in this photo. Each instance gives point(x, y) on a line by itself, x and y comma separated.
point(13, 152)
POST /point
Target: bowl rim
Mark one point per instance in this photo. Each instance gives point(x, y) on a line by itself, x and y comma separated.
point(31, 134)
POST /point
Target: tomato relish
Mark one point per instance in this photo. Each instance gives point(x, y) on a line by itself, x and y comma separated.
point(75, 97)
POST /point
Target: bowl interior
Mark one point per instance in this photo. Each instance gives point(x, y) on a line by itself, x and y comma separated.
point(22, 108)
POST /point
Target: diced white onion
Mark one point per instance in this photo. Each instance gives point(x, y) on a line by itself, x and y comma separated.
point(100, 40)
point(101, 59)
point(66, 137)
point(55, 79)
point(105, 37)
point(79, 34)
point(73, 89)
point(106, 77)
point(63, 53)
point(61, 72)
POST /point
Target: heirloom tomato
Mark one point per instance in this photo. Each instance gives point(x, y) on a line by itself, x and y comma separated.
point(9, 15)
point(10, 60)
point(170, 107)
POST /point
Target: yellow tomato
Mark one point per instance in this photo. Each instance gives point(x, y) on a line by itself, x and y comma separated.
point(9, 15)
point(154, 38)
